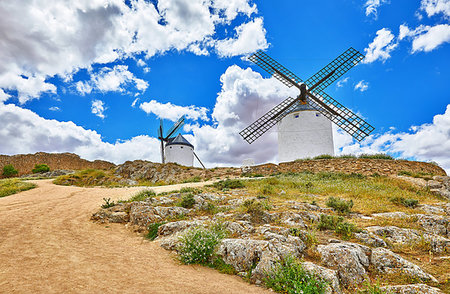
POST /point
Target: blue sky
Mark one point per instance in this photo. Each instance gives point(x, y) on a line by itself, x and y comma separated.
point(94, 77)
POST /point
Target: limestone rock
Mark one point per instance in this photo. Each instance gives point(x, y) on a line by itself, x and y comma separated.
point(435, 224)
point(178, 226)
point(326, 274)
point(412, 289)
point(142, 213)
point(370, 239)
point(432, 184)
point(349, 259)
point(385, 261)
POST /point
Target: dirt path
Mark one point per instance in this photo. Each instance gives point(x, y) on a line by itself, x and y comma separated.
point(49, 245)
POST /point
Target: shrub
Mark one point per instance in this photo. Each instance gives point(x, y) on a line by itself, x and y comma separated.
point(229, 184)
point(187, 201)
point(195, 179)
point(288, 276)
point(197, 245)
point(219, 264)
point(324, 156)
point(143, 195)
point(9, 171)
point(267, 190)
point(338, 225)
point(377, 156)
point(191, 190)
point(372, 289)
point(153, 231)
point(12, 186)
point(40, 168)
point(340, 205)
point(409, 202)
point(108, 203)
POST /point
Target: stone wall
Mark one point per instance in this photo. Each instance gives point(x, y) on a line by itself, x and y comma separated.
point(351, 165)
point(24, 163)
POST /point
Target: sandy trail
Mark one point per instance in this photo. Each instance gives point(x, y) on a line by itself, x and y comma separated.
point(49, 245)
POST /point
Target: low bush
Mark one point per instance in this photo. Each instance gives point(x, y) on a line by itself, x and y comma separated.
point(340, 205)
point(153, 231)
point(324, 156)
point(288, 276)
point(108, 203)
point(338, 225)
point(266, 190)
point(192, 190)
point(40, 168)
point(229, 184)
point(197, 245)
point(372, 289)
point(13, 186)
point(255, 208)
point(9, 171)
point(187, 201)
point(219, 264)
point(377, 156)
point(143, 195)
point(408, 202)
point(195, 179)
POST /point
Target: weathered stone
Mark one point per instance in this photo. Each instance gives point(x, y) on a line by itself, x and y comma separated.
point(106, 216)
point(434, 184)
point(326, 274)
point(411, 289)
point(394, 235)
point(178, 226)
point(242, 254)
point(169, 242)
point(432, 209)
point(142, 213)
point(385, 261)
point(396, 214)
point(349, 259)
point(435, 224)
point(370, 239)
point(300, 219)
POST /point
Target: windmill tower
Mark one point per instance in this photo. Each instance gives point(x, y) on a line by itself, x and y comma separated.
point(304, 122)
point(176, 148)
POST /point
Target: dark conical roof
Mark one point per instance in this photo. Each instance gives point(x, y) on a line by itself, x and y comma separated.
point(179, 140)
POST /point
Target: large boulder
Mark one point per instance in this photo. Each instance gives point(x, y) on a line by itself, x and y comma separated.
point(326, 274)
point(178, 226)
point(385, 261)
point(351, 261)
point(435, 224)
point(143, 213)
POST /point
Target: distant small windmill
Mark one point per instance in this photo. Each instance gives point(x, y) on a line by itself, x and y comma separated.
point(304, 127)
point(176, 148)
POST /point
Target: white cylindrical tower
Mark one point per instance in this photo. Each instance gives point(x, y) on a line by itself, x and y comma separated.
point(304, 133)
point(179, 150)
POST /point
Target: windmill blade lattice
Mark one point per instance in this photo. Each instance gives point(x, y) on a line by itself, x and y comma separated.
point(267, 121)
point(271, 66)
point(343, 117)
point(339, 66)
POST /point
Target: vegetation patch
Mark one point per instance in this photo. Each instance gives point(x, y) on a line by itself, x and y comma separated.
point(219, 264)
point(408, 202)
point(338, 225)
point(153, 231)
point(255, 208)
point(9, 171)
point(195, 179)
point(89, 178)
point(372, 289)
point(197, 245)
point(288, 276)
point(13, 186)
point(108, 203)
point(40, 168)
point(187, 201)
point(142, 195)
point(340, 205)
point(422, 175)
point(192, 190)
point(229, 184)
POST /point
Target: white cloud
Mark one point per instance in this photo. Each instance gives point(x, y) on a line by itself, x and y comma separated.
point(26, 132)
point(342, 82)
point(3, 96)
point(83, 87)
point(67, 36)
point(381, 46)
point(362, 86)
point(250, 37)
point(54, 108)
point(98, 108)
point(426, 38)
point(427, 142)
point(432, 7)
point(174, 112)
point(372, 7)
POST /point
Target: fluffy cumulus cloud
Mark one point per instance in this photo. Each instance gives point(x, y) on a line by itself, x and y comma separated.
point(26, 132)
point(67, 36)
point(427, 142)
point(98, 108)
point(342, 82)
point(371, 7)
point(362, 86)
point(426, 38)
point(249, 37)
point(111, 79)
point(174, 112)
point(432, 7)
point(381, 47)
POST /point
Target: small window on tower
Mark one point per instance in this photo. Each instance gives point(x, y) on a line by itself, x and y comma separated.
point(181, 147)
point(296, 115)
point(317, 114)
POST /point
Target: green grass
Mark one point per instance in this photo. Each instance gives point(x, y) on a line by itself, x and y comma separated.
point(288, 276)
point(142, 195)
point(153, 231)
point(187, 201)
point(338, 225)
point(229, 184)
point(108, 203)
point(192, 190)
point(422, 175)
point(340, 205)
point(369, 194)
point(195, 179)
point(13, 186)
point(408, 202)
point(89, 178)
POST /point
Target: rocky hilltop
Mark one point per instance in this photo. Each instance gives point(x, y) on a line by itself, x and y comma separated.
point(24, 163)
